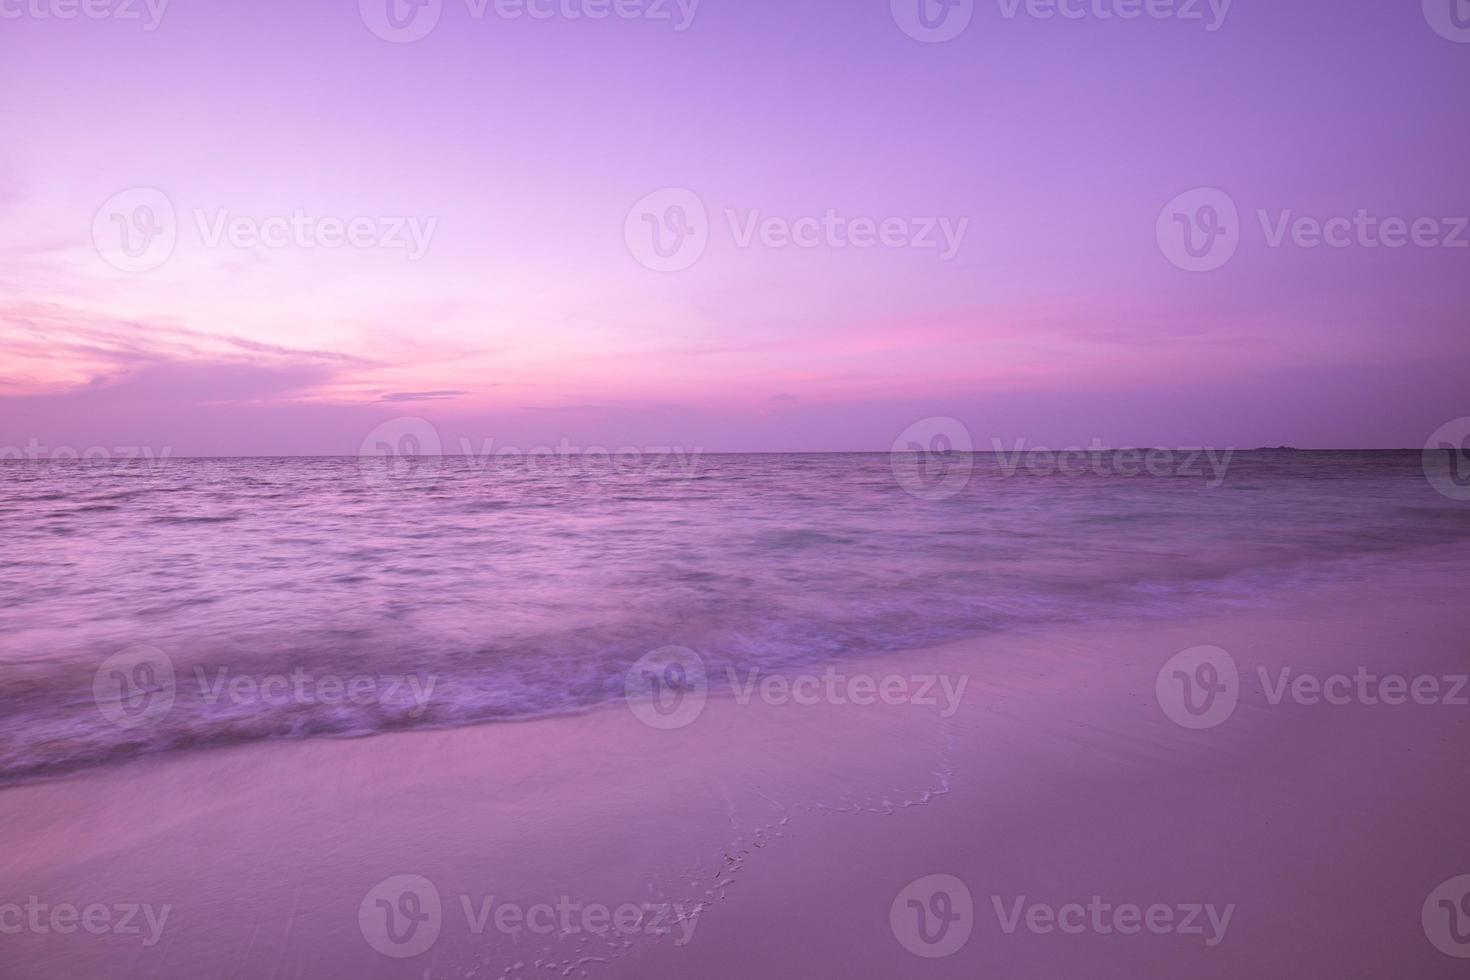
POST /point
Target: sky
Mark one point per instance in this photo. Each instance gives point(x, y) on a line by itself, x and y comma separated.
point(736, 225)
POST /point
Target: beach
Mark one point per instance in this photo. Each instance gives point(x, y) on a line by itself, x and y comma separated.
point(664, 490)
point(1093, 834)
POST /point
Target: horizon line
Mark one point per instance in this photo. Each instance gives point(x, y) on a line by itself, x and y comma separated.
point(745, 452)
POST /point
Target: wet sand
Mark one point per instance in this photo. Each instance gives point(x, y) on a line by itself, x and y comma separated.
point(775, 839)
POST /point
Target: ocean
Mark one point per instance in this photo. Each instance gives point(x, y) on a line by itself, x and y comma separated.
point(332, 596)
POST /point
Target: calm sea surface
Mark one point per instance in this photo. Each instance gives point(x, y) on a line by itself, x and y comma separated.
point(525, 587)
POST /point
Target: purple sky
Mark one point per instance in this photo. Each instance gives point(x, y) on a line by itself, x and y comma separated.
point(525, 311)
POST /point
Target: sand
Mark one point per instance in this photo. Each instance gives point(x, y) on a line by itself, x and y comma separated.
point(775, 840)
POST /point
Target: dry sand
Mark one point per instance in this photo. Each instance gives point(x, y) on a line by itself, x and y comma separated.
point(771, 840)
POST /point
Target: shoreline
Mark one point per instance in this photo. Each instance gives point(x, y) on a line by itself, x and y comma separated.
point(233, 729)
point(776, 838)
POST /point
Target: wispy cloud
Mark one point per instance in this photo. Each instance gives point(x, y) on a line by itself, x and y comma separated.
point(421, 396)
point(52, 349)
